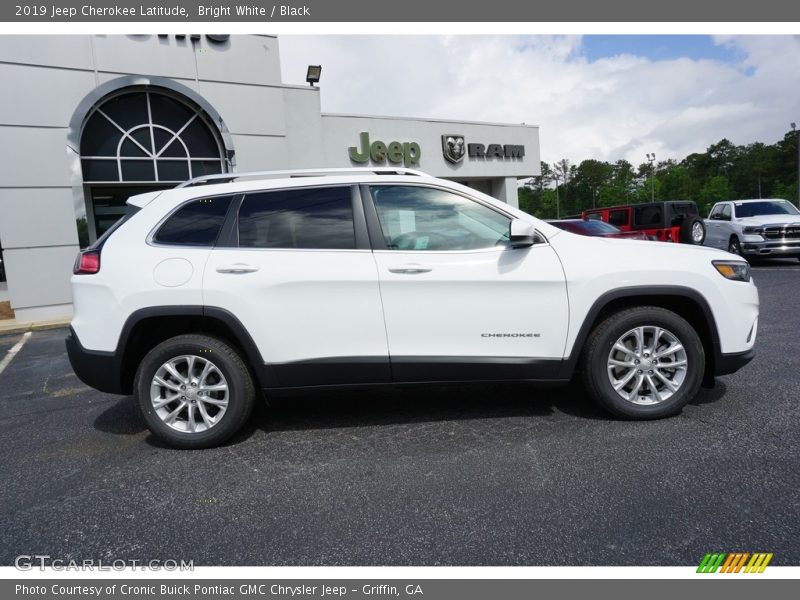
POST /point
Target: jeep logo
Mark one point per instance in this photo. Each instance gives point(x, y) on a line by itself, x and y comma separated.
point(407, 153)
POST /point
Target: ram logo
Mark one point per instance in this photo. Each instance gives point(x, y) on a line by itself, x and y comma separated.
point(453, 147)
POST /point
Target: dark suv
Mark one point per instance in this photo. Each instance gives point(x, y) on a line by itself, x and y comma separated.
point(666, 221)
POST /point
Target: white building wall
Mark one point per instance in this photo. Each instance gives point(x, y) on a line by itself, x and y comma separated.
point(52, 75)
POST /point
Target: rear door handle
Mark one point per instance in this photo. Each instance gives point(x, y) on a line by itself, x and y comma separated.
point(237, 269)
point(412, 269)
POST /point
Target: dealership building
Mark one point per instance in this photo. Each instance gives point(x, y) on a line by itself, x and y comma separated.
point(89, 120)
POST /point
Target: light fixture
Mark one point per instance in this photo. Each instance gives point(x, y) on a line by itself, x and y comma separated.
point(794, 129)
point(313, 74)
point(651, 158)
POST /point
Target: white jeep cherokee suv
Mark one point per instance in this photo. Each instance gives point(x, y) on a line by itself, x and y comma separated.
point(205, 295)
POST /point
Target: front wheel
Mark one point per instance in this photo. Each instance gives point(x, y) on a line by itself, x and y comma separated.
point(734, 247)
point(194, 391)
point(643, 363)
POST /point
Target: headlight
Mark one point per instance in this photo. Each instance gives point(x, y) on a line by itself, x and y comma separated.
point(753, 231)
point(733, 270)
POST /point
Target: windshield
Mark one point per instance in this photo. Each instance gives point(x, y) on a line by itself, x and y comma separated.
point(765, 207)
point(586, 227)
point(597, 227)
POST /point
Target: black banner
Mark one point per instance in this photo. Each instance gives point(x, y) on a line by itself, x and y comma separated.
point(188, 11)
point(423, 589)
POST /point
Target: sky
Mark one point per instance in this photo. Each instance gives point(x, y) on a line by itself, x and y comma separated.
point(606, 97)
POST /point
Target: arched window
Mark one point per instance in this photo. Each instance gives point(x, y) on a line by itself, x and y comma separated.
point(143, 136)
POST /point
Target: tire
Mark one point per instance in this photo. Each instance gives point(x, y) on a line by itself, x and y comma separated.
point(734, 247)
point(621, 327)
point(693, 231)
point(214, 402)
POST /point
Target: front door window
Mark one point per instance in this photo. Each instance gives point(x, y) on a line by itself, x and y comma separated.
point(420, 218)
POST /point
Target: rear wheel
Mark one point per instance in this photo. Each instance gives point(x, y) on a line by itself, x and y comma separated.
point(194, 391)
point(643, 363)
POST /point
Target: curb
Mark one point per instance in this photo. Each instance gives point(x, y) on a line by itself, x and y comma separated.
point(32, 326)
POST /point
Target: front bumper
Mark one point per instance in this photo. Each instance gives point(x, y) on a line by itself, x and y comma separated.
point(776, 248)
point(725, 364)
point(100, 370)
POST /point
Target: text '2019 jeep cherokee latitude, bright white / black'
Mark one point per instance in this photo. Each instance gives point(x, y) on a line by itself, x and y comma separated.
point(205, 295)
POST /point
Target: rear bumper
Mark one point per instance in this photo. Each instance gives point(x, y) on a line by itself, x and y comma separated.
point(100, 370)
point(725, 364)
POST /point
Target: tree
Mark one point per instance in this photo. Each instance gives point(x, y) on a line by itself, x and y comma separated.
point(723, 156)
point(83, 232)
point(590, 177)
point(541, 205)
point(724, 171)
point(677, 183)
point(715, 189)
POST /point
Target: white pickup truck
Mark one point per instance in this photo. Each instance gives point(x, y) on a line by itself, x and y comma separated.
point(755, 228)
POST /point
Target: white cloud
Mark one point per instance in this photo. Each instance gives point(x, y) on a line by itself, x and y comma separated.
point(617, 107)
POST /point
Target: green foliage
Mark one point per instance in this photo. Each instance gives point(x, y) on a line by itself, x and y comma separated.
point(715, 189)
point(724, 171)
point(83, 232)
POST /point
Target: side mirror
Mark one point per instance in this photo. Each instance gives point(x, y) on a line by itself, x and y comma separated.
point(521, 234)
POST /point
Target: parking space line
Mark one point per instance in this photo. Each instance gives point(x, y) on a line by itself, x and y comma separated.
point(13, 352)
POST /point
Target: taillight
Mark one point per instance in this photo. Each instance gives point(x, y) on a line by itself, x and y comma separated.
point(87, 263)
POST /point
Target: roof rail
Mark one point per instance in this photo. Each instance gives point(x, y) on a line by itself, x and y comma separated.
point(228, 177)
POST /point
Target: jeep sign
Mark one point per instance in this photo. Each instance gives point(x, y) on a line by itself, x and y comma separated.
point(407, 153)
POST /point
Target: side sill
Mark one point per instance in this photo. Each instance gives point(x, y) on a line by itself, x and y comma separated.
point(356, 370)
point(540, 383)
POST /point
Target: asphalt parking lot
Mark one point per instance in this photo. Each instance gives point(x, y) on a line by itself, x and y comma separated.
point(490, 475)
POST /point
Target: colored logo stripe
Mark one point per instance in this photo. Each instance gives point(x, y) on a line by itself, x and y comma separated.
point(710, 563)
point(733, 562)
point(759, 562)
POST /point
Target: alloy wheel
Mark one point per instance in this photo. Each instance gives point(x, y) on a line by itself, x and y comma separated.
point(189, 394)
point(647, 365)
point(698, 233)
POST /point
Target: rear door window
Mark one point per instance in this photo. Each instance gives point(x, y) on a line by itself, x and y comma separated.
point(310, 218)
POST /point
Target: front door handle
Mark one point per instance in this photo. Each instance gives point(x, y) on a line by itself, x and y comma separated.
point(411, 269)
point(237, 269)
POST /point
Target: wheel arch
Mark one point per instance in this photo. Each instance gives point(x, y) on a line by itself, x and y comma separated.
point(148, 327)
point(686, 302)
